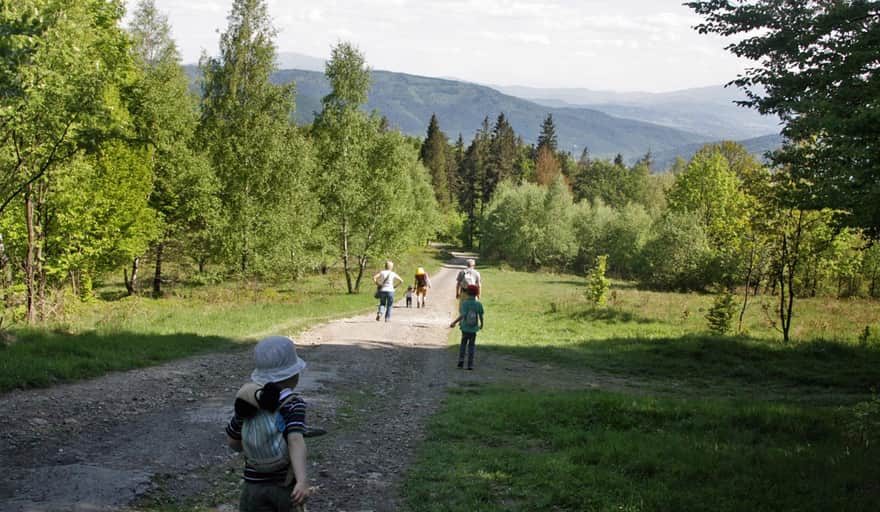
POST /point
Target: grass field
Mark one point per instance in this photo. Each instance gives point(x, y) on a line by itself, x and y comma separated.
point(90, 339)
point(703, 422)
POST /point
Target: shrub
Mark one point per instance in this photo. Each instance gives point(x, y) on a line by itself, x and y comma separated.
point(597, 283)
point(720, 315)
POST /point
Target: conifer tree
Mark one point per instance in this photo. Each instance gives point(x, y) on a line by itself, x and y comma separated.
point(502, 155)
point(471, 177)
point(434, 154)
point(547, 138)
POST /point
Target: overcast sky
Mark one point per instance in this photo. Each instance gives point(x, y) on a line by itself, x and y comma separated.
point(622, 45)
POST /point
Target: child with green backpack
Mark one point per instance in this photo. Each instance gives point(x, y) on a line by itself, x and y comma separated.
point(471, 318)
point(268, 426)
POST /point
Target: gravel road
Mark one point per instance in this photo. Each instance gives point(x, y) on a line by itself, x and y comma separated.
point(140, 439)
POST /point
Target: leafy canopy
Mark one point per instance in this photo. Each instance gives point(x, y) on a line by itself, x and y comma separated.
point(817, 68)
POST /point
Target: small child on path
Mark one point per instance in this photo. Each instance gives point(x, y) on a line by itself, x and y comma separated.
point(268, 426)
point(471, 319)
point(409, 296)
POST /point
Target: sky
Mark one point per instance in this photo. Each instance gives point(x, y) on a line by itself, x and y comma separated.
point(618, 45)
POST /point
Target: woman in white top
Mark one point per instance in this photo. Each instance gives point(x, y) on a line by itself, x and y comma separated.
point(386, 280)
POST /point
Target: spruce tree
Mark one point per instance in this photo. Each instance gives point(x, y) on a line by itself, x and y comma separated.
point(434, 154)
point(547, 138)
point(502, 155)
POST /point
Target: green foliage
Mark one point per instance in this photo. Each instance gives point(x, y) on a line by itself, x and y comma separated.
point(678, 255)
point(815, 67)
point(720, 315)
point(63, 67)
point(264, 167)
point(597, 284)
point(435, 154)
point(529, 225)
point(376, 196)
point(863, 423)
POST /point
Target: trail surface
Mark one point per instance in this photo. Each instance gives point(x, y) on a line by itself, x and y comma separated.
point(138, 439)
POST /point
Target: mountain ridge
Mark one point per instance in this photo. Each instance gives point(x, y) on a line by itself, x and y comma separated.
point(630, 129)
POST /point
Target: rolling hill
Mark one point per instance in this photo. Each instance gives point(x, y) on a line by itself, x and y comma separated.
point(408, 102)
point(757, 146)
point(631, 124)
point(706, 110)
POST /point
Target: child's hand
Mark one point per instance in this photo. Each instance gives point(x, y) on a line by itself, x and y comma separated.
point(300, 493)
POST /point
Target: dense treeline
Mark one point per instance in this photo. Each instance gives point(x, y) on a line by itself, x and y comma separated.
point(109, 163)
point(721, 221)
point(107, 160)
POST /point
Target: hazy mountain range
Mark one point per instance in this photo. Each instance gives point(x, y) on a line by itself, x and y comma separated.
point(607, 123)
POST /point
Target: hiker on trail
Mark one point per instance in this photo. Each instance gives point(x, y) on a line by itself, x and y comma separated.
point(409, 296)
point(268, 426)
point(470, 316)
point(423, 282)
point(468, 277)
point(386, 281)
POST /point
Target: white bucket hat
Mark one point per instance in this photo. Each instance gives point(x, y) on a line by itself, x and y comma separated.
point(276, 360)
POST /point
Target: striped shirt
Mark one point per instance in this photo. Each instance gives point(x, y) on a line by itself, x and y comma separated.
point(292, 420)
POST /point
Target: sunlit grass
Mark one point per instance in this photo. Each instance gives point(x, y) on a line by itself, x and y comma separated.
point(119, 332)
point(705, 422)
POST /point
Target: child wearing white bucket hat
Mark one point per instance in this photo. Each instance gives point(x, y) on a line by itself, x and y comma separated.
point(268, 426)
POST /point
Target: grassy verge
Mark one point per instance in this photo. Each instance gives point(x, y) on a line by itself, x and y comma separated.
point(507, 450)
point(91, 339)
point(705, 422)
point(646, 335)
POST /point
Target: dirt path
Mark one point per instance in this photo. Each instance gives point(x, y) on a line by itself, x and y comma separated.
point(149, 437)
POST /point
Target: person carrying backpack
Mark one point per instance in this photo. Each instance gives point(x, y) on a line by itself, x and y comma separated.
point(467, 278)
point(268, 426)
point(471, 321)
point(422, 283)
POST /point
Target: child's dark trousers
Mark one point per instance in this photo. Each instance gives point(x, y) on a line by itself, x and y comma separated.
point(468, 341)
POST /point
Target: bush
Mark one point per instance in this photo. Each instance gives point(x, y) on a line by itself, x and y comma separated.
point(678, 254)
point(720, 315)
point(597, 283)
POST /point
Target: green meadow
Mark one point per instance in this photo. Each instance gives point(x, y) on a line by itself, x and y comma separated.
point(116, 332)
point(636, 407)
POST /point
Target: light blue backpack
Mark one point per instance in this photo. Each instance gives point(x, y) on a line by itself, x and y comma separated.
point(262, 435)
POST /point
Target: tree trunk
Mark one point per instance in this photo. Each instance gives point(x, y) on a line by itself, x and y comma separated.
point(39, 270)
point(346, 257)
point(362, 264)
point(131, 284)
point(748, 285)
point(157, 277)
point(73, 285)
point(789, 256)
point(29, 260)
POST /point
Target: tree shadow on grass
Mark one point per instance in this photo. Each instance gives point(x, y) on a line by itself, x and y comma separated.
point(567, 282)
point(735, 366)
point(111, 295)
point(609, 315)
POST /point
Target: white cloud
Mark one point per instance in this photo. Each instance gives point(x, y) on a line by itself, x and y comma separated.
point(486, 40)
point(517, 37)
